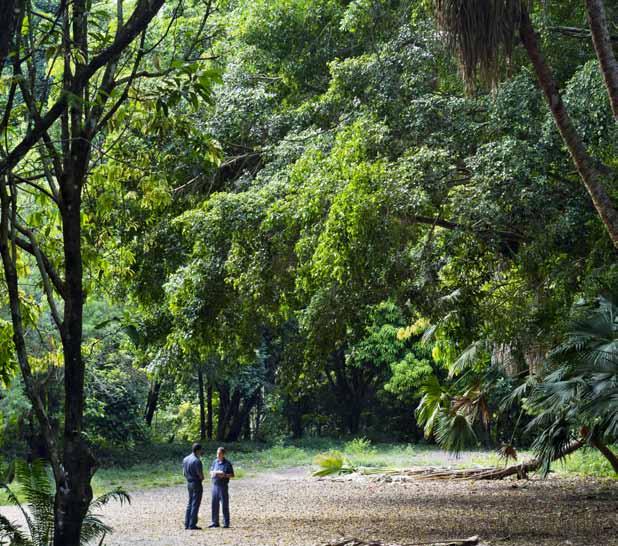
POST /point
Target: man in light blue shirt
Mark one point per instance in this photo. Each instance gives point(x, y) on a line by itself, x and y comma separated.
point(194, 474)
point(221, 471)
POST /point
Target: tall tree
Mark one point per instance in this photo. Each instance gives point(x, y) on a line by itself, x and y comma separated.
point(483, 32)
point(96, 65)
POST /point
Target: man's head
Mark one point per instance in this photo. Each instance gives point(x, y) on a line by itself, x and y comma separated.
point(197, 449)
point(221, 453)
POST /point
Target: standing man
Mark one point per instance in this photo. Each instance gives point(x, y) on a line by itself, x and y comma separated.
point(221, 471)
point(194, 473)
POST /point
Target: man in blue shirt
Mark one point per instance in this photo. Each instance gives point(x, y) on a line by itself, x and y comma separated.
point(221, 471)
point(194, 473)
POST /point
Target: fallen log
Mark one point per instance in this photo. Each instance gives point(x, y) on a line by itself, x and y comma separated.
point(520, 470)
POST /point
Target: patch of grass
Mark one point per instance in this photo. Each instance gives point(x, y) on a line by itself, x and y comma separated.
point(250, 459)
point(587, 462)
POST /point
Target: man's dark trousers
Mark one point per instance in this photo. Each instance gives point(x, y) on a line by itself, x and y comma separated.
point(193, 506)
point(220, 494)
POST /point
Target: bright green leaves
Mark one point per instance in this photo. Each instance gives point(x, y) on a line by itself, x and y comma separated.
point(293, 39)
point(8, 364)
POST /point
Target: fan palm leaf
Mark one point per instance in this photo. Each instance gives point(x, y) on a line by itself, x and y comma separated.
point(582, 390)
point(454, 433)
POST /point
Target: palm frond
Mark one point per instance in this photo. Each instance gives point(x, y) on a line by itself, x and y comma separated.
point(433, 402)
point(93, 528)
point(14, 501)
point(12, 532)
point(37, 486)
point(481, 32)
point(507, 452)
point(454, 433)
point(551, 444)
point(117, 494)
point(469, 357)
point(332, 462)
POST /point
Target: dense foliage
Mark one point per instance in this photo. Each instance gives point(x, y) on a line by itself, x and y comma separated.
point(308, 223)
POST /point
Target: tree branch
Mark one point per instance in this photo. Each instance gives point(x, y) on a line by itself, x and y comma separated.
point(574, 32)
point(49, 268)
point(448, 224)
point(143, 13)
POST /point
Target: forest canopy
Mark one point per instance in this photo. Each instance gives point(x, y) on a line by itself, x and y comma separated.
point(266, 219)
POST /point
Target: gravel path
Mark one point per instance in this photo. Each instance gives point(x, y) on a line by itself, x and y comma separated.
point(289, 508)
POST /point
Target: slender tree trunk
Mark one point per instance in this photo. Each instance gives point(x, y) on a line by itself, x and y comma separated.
point(9, 260)
point(152, 402)
point(209, 415)
point(588, 172)
point(200, 381)
point(607, 453)
point(605, 52)
point(258, 415)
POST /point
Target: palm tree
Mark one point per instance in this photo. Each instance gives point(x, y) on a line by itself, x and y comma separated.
point(580, 394)
point(483, 33)
point(38, 487)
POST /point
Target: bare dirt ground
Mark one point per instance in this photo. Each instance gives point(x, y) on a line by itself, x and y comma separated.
point(289, 508)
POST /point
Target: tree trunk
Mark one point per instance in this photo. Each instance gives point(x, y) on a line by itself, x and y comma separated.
point(604, 49)
point(240, 418)
point(607, 453)
point(74, 493)
point(200, 381)
point(588, 172)
point(259, 411)
point(209, 417)
point(10, 15)
point(228, 409)
point(9, 261)
point(153, 400)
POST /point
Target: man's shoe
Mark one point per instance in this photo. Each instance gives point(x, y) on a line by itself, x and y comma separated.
point(196, 528)
point(226, 526)
point(212, 526)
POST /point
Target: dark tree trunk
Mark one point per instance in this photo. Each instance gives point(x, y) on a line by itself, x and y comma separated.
point(603, 46)
point(74, 493)
point(209, 406)
point(258, 415)
point(239, 419)
point(588, 171)
point(10, 15)
point(229, 404)
point(296, 425)
point(153, 400)
point(607, 453)
point(200, 381)
point(353, 418)
point(350, 386)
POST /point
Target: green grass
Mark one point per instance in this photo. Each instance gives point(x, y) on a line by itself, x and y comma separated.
point(161, 465)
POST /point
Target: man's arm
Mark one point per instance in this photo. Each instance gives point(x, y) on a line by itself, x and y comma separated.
point(230, 474)
point(200, 470)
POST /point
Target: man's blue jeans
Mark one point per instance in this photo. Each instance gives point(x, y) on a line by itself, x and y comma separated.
point(220, 494)
point(193, 506)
